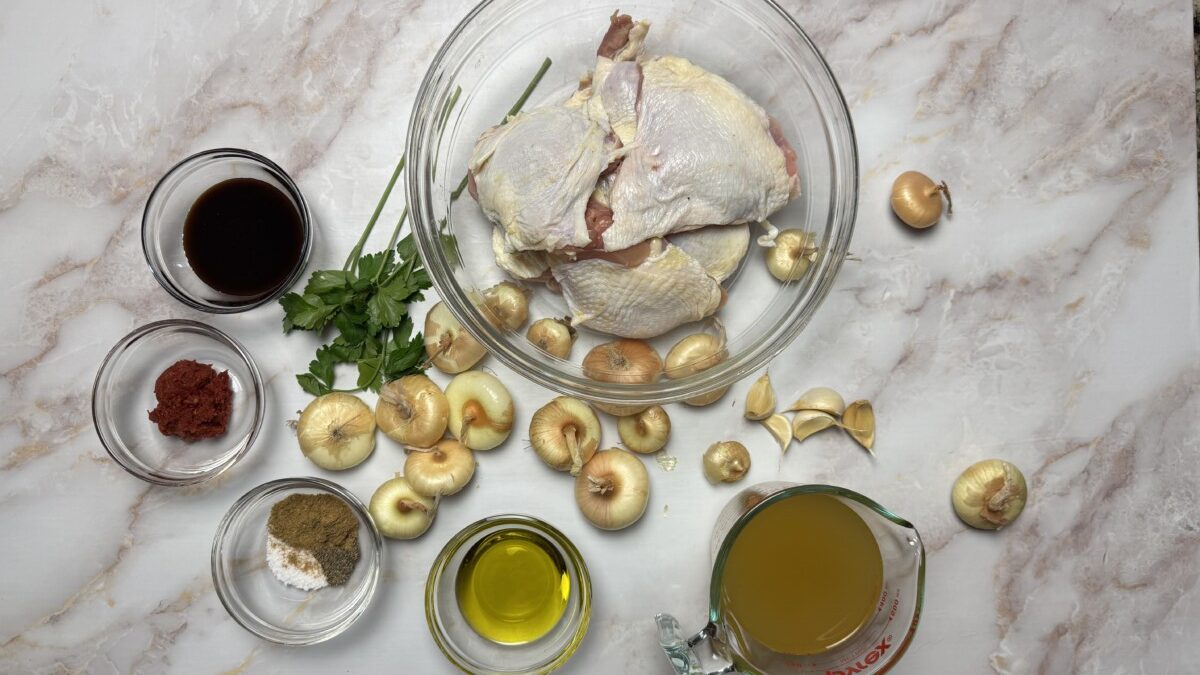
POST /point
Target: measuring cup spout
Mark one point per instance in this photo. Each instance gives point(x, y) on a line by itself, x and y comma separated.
point(680, 650)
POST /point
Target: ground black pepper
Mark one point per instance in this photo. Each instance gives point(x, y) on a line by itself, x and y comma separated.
point(322, 524)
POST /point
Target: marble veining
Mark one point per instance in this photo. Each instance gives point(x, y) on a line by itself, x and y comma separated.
point(1053, 320)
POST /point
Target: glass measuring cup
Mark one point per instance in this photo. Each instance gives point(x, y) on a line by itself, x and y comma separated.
point(874, 648)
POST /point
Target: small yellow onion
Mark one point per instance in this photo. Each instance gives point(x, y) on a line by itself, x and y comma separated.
point(989, 494)
point(726, 462)
point(412, 410)
point(623, 361)
point(553, 336)
point(506, 305)
point(645, 432)
point(439, 471)
point(790, 257)
point(565, 433)
point(917, 200)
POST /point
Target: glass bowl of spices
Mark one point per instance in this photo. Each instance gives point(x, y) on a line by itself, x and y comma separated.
point(177, 402)
point(508, 594)
point(296, 561)
point(226, 230)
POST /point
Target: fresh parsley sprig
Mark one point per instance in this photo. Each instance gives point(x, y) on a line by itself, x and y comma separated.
point(367, 300)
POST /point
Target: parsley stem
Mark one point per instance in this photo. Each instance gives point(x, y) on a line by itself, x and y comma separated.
point(352, 260)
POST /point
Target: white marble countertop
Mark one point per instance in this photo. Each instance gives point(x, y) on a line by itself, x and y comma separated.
point(1053, 322)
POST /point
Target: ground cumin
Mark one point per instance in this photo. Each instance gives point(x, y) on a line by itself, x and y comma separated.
point(323, 525)
point(194, 401)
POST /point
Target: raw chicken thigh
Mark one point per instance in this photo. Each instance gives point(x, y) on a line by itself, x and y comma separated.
point(633, 195)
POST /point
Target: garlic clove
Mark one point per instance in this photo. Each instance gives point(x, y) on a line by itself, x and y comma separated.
point(565, 434)
point(989, 494)
point(481, 410)
point(613, 489)
point(439, 471)
point(448, 345)
point(760, 400)
point(859, 422)
point(413, 411)
point(336, 431)
point(805, 423)
point(553, 336)
point(781, 428)
point(820, 398)
point(399, 511)
point(645, 432)
point(791, 256)
point(726, 462)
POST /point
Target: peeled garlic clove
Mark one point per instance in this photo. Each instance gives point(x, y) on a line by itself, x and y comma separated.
point(726, 462)
point(439, 471)
point(790, 257)
point(565, 433)
point(805, 423)
point(399, 511)
point(820, 398)
point(695, 353)
point(623, 361)
point(706, 399)
point(760, 400)
point(481, 410)
point(859, 422)
point(917, 200)
point(989, 494)
point(645, 432)
point(781, 429)
point(336, 431)
point(412, 410)
point(448, 345)
point(505, 306)
point(612, 489)
point(553, 336)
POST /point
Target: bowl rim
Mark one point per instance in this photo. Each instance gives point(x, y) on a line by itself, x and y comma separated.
point(293, 192)
point(222, 584)
point(438, 568)
point(117, 449)
point(843, 210)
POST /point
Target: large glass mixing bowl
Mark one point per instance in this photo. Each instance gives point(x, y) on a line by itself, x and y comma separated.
point(481, 70)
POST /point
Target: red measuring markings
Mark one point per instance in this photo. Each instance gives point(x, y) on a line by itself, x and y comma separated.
point(867, 661)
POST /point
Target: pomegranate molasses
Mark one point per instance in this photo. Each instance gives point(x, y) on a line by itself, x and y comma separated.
point(243, 237)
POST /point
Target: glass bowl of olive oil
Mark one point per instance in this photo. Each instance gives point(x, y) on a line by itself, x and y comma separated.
point(508, 594)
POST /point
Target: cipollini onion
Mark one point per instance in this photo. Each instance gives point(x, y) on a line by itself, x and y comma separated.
point(448, 345)
point(565, 434)
point(481, 410)
point(336, 431)
point(917, 200)
point(412, 410)
point(612, 489)
point(645, 432)
point(441, 470)
point(399, 511)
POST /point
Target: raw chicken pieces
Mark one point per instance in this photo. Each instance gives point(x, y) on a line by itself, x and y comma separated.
point(633, 195)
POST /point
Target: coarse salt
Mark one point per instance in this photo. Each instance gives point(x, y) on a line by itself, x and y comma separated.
point(294, 566)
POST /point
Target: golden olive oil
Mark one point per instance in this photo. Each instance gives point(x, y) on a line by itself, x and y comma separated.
point(512, 587)
point(803, 576)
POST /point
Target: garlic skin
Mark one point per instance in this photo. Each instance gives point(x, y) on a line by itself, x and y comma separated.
point(336, 431)
point(791, 256)
point(859, 421)
point(805, 423)
point(989, 494)
point(646, 432)
point(781, 429)
point(439, 471)
point(565, 434)
point(820, 398)
point(399, 511)
point(760, 400)
point(506, 305)
point(481, 410)
point(448, 345)
point(613, 489)
point(412, 410)
point(553, 336)
point(917, 200)
point(726, 462)
point(623, 361)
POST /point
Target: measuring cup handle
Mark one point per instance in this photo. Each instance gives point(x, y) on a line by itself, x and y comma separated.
point(679, 649)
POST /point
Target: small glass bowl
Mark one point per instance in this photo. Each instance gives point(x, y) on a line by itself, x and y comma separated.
point(123, 396)
point(473, 653)
point(481, 69)
point(261, 603)
point(167, 209)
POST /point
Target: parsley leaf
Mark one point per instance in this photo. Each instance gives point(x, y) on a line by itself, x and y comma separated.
point(307, 312)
